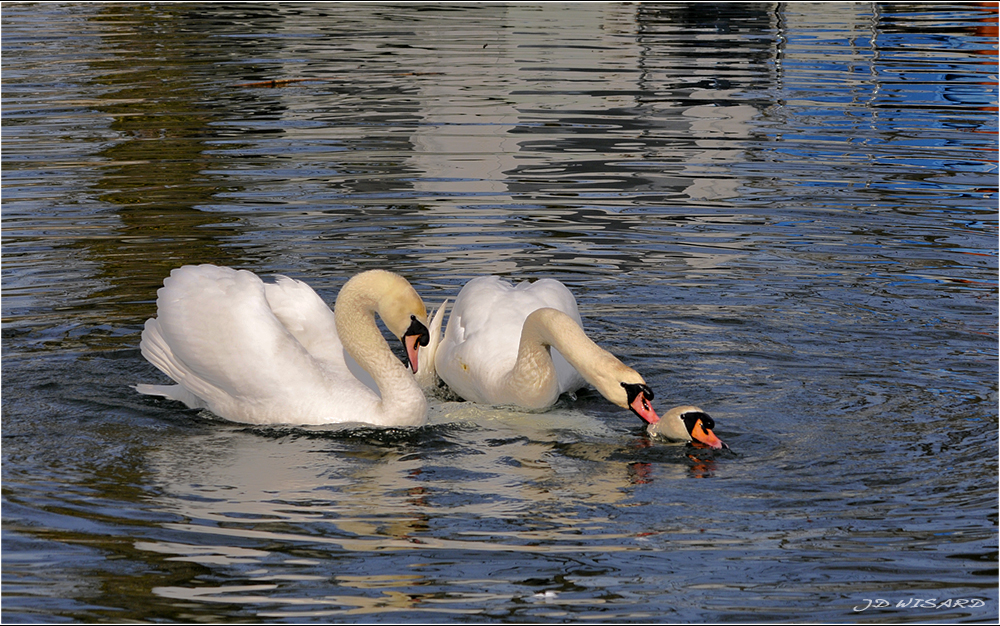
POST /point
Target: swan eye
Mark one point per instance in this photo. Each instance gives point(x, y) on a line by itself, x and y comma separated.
point(690, 419)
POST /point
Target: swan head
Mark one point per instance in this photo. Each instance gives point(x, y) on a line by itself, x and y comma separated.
point(397, 303)
point(638, 397)
point(686, 423)
point(416, 335)
point(404, 314)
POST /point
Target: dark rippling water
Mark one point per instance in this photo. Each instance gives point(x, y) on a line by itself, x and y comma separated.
point(786, 214)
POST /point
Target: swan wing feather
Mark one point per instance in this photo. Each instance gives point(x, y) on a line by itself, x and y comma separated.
point(217, 336)
point(308, 318)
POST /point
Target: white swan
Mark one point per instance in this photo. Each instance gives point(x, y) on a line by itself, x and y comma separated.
point(275, 354)
point(525, 346)
point(686, 423)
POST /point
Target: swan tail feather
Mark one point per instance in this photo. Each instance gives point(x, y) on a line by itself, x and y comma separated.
point(426, 375)
point(191, 389)
point(172, 392)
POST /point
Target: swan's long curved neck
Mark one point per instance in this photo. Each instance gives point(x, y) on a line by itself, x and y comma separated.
point(534, 381)
point(355, 311)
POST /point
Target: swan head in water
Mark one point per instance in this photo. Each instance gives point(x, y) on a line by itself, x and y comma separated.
point(686, 423)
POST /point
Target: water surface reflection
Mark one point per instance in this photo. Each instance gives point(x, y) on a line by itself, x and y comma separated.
point(783, 213)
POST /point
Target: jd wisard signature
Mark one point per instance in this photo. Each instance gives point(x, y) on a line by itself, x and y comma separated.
point(921, 603)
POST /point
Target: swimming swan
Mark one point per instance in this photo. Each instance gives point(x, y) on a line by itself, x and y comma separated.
point(524, 345)
point(275, 354)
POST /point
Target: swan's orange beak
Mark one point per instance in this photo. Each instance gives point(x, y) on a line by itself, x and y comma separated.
point(702, 435)
point(411, 342)
point(639, 396)
point(641, 407)
point(416, 335)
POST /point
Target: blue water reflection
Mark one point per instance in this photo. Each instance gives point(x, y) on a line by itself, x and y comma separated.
point(783, 213)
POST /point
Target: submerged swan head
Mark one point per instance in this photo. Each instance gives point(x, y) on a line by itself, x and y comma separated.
point(686, 423)
point(396, 302)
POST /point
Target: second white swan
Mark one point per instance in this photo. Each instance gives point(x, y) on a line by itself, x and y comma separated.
point(524, 345)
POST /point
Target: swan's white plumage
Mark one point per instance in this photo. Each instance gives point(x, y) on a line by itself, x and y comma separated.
point(308, 318)
point(480, 344)
point(271, 353)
